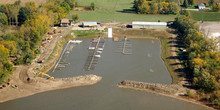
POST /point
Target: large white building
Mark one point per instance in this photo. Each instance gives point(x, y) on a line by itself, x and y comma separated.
point(89, 24)
point(149, 25)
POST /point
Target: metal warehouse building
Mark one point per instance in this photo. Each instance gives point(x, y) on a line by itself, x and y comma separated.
point(149, 25)
point(89, 24)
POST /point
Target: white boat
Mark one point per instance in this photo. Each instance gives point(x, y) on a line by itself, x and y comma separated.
point(98, 56)
point(91, 48)
point(75, 41)
point(99, 51)
point(67, 52)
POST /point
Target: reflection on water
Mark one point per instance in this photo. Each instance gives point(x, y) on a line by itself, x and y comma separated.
point(105, 95)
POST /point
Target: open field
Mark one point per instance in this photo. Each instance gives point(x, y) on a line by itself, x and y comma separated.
point(205, 16)
point(88, 33)
point(22, 1)
point(115, 10)
point(204, 1)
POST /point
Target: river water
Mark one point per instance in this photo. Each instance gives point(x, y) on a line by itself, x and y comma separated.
point(145, 64)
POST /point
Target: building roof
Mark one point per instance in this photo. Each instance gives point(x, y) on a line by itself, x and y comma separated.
point(89, 23)
point(65, 21)
point(148, 23)
point(201, 5)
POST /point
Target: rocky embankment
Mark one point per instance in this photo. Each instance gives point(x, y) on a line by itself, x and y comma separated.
point(168, 89)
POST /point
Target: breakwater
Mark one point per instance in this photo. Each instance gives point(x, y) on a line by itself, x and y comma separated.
point(173, 89)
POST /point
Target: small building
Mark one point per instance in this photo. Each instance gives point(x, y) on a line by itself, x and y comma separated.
point(149, 25)
point(109, 32)
point(201, 6)
point(89, 24)
point(65, 23)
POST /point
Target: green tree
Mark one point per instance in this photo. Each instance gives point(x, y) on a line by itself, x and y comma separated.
point(27, 12)
point(66, 7)
point(186, 13)
point(75, 17)
point(214, 7)
point(211, 2)
point(76, 4)
point(92, 6)
point(191, 2)
point(173, 8)
point(71, 3)
point(3, 19)
point(154, 8)
point(185, 4)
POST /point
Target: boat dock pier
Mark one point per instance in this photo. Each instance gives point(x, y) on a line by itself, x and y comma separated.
point(95, 50)
point(125, 46)
point(61, 63)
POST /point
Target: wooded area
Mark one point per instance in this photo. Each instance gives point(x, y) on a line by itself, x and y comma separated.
point(202, 59)
point(33, 21)
point(156, 7)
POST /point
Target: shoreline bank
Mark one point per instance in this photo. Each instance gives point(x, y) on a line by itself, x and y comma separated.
point(161, 89)
point(39, 85)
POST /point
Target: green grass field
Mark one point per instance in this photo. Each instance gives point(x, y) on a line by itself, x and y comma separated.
point(115, 10)
point(89, 33)
point(205, 16)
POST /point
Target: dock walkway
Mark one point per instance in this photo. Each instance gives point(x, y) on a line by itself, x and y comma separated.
point(95, 51)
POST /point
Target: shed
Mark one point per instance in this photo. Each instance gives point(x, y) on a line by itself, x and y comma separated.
point(149, 25)
point(89, 24)
point(65, 23)
point(201, 6)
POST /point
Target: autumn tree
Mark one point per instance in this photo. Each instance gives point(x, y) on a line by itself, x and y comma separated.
point(11, 46)
point(165, 7)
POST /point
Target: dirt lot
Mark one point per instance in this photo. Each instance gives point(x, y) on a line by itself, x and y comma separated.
point(208, 28)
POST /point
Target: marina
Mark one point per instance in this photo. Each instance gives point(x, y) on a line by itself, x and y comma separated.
point(105, 95)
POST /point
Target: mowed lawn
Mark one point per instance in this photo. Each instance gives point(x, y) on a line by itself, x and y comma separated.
point(115, 10)
point(205, 16)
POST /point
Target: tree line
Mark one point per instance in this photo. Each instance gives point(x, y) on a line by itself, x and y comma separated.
point(156, 7)
point(203, 59)
point(34, 21)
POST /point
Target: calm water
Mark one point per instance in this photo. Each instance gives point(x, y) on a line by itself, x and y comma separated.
point(145, 64)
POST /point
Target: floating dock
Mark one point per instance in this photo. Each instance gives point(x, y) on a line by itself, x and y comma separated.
point(95, 49)
point(61, 63)
point(125, 46)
